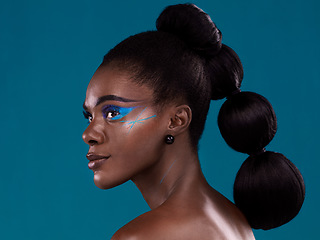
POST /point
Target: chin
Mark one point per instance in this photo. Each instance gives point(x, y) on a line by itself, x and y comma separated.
point(103, 182)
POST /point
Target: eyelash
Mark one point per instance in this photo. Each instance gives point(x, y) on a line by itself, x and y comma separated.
point(110, 109)
point(87, 116)
point(120, 112)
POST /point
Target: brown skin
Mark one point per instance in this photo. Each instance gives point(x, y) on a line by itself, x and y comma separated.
point(183, 205)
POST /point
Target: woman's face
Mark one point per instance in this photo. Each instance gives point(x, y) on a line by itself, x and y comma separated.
point(125, 132)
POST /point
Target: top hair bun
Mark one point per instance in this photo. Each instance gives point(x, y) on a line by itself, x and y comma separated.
point(192, 25)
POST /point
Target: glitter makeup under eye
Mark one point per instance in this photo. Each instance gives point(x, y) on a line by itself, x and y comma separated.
point(137, 120)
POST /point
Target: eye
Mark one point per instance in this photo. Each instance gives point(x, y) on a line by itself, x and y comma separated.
point(112, 112)
point(88, 116)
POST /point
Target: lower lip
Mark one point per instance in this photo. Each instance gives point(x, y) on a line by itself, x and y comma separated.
point(96, 163)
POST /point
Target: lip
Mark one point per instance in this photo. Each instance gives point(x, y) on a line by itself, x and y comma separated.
point(95, 161)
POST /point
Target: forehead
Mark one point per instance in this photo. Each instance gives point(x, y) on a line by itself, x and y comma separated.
point(118, 83)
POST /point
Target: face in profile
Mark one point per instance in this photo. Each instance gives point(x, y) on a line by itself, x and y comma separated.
point(125, 131)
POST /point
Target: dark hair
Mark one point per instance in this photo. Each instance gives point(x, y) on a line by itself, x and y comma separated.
point(268, 189)
point(186, 60)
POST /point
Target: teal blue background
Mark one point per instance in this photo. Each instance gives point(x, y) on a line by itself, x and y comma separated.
point(48, 53)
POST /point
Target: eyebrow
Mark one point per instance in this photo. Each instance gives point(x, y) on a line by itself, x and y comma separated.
point(108, 98)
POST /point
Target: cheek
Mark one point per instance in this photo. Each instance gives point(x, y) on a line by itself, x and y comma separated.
point(147, 142)
point(142, 131)
point(131, 152)
point(141, 139)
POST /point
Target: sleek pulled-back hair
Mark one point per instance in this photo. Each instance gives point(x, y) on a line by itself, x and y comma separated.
point(185, 61)
point(168, 66)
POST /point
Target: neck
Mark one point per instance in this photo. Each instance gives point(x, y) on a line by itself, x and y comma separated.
point(176, 170)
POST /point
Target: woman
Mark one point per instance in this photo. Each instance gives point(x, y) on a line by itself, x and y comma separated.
point(147, 105)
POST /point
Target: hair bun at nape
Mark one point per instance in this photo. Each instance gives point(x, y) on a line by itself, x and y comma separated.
point(192, 25)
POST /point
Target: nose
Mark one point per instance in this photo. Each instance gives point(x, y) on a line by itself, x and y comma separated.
point(92, 136)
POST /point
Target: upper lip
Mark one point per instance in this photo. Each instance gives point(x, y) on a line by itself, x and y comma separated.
point(92, 156)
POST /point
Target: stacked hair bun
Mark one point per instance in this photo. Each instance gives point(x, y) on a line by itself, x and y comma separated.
point(268, 188)
point(202, 35)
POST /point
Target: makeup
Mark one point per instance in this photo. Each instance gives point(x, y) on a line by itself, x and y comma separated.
point(110, 112)
point(137, 120)
point(95, 161)
point(113, 112)
point(87, 116)
point(102, 99)
point(167, 171)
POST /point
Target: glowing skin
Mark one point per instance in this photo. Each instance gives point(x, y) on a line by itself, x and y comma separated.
point(113, 105)
point(183, 205)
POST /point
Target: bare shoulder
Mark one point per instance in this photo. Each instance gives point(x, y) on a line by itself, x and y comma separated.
point(151, 225)
point(158, 225)
point(168, 225)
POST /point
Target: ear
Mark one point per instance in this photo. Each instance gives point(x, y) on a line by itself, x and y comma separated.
point(180, 119)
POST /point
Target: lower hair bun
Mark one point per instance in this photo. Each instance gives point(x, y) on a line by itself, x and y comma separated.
point(269, 190)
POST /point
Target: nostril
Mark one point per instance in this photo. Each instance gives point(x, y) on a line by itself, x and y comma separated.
point(92, 142)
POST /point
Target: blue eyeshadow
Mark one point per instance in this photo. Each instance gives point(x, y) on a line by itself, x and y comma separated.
point(120, 111)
